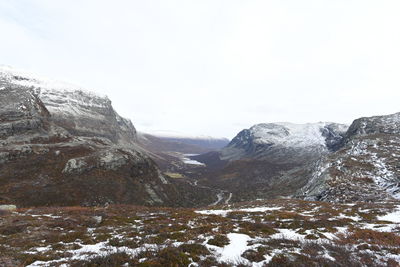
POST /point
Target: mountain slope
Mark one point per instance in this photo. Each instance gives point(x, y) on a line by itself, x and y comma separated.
point(366, 168)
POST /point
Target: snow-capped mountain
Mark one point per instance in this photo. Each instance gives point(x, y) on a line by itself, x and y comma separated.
point(284, 141)
point(78, 110)
point(366, 168)
point(271, 160)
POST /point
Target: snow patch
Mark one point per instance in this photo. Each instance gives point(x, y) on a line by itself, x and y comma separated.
point(233, 251)
point(287, 234)
point(391, 217)
point(225, 212)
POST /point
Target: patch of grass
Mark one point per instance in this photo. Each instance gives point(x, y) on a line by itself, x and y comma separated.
point(372, 237)
point(256, 255)
point(12, 229)
point(118, 242)
point(219, 241)
point(194, 250)
point(168, 257)
point(114, 259)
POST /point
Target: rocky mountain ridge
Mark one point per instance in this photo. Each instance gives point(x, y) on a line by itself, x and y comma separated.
point(69, 147)
point(365, 168)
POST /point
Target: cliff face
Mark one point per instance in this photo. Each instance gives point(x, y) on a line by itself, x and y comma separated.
point(87, 114)
point(65, 146)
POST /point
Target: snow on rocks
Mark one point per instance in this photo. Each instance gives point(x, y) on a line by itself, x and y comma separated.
point(29, 79)
point(288, 234)
point(289, 134)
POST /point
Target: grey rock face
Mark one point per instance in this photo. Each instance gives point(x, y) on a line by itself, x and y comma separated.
point(389, 124)
point(21, 111)
point(86, 114)
point(334, 134)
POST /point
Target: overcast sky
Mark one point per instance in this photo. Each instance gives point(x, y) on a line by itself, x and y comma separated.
point(215, 67)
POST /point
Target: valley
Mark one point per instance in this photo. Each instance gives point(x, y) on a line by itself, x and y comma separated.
point(80, 186)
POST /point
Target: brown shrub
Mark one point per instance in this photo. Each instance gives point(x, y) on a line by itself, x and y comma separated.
point(372, 237)
point(115, 259)
point(219, 241)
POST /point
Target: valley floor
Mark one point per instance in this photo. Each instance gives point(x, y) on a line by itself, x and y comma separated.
point(282, 232)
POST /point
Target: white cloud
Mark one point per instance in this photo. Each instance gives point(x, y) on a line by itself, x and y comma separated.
point(214, 67)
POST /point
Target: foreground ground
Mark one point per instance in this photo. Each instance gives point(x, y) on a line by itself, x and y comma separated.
point(265, 233)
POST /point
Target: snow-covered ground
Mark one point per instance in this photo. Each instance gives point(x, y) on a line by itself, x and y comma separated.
point(247, 234)
point(393, 217)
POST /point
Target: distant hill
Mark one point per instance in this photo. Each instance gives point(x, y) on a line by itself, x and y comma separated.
point(206, 142)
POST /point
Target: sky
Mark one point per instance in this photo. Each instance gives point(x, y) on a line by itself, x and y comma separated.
point(214, 67)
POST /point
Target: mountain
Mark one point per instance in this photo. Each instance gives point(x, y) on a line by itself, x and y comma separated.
point(365, 168)
point(207, 143)
point(159, 144)
point(61, 145)
point(284, 142)
point(270, 160)
point(319, 161)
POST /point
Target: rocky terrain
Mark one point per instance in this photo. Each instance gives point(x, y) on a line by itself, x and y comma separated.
point(283, 232)
point(61, 145)
point(365, 168)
